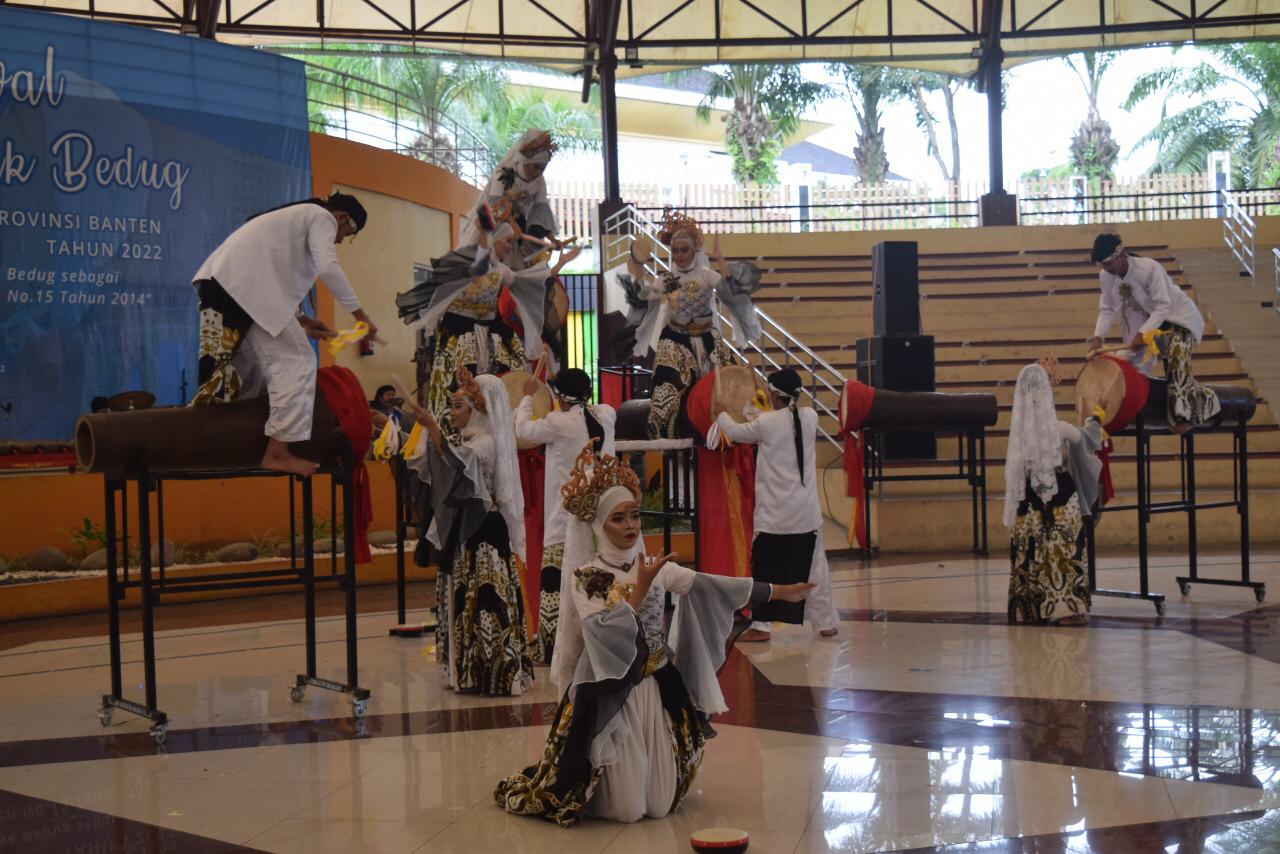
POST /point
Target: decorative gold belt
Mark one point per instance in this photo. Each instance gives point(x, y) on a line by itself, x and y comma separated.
point(656, 659)
point(693, 328)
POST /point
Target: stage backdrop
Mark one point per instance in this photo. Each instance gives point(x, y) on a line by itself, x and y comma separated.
point(126, 156)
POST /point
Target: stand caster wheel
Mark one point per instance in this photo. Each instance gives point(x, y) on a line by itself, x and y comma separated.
point(297, 692)
point(1160, 609)
point(159, 732)
point(104, 715)
point(358, 708)
point(1184, 588)
point(1259, 595)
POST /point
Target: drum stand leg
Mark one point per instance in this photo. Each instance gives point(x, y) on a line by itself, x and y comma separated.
point(1239, 500)
point(1143, 506)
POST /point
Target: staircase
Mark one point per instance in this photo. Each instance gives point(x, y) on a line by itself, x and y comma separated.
point(991, 312)
point(1243, 308)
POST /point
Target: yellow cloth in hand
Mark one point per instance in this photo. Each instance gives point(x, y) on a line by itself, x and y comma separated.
point(348, 336)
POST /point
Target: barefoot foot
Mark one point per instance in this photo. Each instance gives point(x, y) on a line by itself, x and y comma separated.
point(753, 636)
point(1181, 427)
point(278, 458)
point(829, 633)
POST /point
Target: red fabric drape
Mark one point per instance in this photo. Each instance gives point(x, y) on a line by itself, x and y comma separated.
point(1106, 491)
point(349, 404)
point(533, 465)
point(726, 502)
point(855, 404)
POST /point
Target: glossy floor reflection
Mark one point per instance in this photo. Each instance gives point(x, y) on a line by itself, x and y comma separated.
point(927, 724)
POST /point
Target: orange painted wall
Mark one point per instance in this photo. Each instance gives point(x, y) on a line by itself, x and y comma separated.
point(352, 164)
point(39, 507)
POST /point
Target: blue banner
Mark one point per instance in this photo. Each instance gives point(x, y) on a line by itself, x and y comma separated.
point(126, 156)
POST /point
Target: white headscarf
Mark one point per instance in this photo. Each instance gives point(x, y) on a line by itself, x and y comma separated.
point(497, 421)
point(515, 156)
point(1035, 445)
point(583, 541)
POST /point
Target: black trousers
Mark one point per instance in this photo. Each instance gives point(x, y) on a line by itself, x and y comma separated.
point(781, 559)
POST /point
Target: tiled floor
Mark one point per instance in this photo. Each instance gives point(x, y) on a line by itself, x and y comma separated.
point(928, 722)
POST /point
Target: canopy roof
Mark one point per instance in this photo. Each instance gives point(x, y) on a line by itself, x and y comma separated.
point(943, 35)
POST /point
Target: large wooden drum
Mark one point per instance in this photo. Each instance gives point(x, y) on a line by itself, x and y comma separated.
point(1124, 393)
point(514, 382)
point(1116, 386)
point(707, 398)
point(928, 411)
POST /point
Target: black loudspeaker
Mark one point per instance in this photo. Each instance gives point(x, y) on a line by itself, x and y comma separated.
point(900, 363)
point(895, 288)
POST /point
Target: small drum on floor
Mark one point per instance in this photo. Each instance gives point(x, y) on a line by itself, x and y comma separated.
point(514, 382)
point(708, 397)
point(720, 840)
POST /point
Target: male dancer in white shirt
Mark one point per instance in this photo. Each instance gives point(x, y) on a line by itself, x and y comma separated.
point(253, 334)
point(787, 546)
point(564, 433)
point(1139, 293)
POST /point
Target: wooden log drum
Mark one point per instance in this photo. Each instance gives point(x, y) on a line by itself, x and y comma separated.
point(1123, 392)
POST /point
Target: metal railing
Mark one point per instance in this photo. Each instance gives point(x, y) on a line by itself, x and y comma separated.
point(1238, 232)
point(836, 216)
point(341, 104)
point(1275, 302)
point(823, 378)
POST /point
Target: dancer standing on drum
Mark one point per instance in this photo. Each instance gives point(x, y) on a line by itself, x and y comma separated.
point(680, 317)
point(787, 546)
point(253, 334)
point(517, 191)
point(473, 488)
point(564, 433)
point(1139, 293)
point(456, 303)
point(1051, 483)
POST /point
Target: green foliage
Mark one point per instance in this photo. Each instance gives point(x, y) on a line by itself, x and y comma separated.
point(1094, 150)
point(88, 534)
point(768, 101)
point(501, 120)
point(1234, 96)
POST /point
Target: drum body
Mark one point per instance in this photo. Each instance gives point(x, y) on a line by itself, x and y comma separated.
point(1116, 386)
point(914, 410)
point(514, 382)
point(1124, 393)
point(556, 310)
point(708, 397)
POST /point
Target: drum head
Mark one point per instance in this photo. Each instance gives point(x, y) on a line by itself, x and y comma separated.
point(514, 382)
point(1100, 383)
point(557, 307)
point(735, 388)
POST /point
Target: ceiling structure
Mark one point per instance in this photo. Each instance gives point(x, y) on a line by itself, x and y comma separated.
point(943, 35)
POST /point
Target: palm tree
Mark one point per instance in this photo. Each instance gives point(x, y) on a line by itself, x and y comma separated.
point(768, 101)
point(1236, 90)
point(1094, 149)
point(430, 92)
point(868, 87)
point(501, 121)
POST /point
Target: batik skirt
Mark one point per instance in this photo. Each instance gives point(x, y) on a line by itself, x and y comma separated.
point(483, 346)
point(1189, 400)
point(481, 639)
point(677, 365)
point(1047, 578)
point(544, 641)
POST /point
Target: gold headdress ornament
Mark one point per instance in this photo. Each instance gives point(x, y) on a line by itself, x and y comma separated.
point(592, 477)
point(540, 143)
point(1050, 365)
point(676, 224)
point(469, 388)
